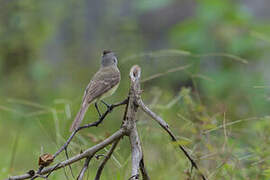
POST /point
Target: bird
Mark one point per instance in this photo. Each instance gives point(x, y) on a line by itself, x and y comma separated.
point(103, 84)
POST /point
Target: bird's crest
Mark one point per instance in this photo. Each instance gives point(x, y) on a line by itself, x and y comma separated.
point(106, 52)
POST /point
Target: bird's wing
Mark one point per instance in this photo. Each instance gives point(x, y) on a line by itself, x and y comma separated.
point(104, 80)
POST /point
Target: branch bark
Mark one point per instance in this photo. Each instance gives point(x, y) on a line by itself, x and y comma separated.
point(85, 166)
point(136, 152)
point(165, 126)
point(107, 157)
point(128, 127)
point(96, 123)
point(89, 152)
point(130, 121)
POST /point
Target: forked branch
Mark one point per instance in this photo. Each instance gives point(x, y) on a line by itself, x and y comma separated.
point(96, 123)
point(85, 166)
point(128, 128)
point(165, 126)
point(88, 152)
point(106, 158)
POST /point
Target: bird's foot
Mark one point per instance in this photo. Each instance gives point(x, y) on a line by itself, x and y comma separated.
point(97, 109)
point(109, 106)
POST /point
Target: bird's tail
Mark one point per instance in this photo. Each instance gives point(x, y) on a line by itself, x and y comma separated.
point(79, 117)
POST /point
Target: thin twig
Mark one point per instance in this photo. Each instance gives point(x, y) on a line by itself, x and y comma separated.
point(66, 153)
point(230, 124)
point(99, 155)
point(225, 132)
point(44, 177)
point(40, 176)
point(89, 152)
point(52, 170)
point(65, 173)
point(96, 123)
point(165, 126)
point(133, 102)
point(85, 166)
point(177, 52)
point(107, 157)
point(180, 68)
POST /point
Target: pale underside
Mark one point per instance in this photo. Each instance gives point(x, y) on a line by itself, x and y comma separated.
point(107, 94)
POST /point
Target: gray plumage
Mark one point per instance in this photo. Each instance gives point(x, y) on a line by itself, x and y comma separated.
point(103, 84)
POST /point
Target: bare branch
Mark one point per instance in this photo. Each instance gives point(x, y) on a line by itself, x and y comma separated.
point(135, 75)
point(66, 153)
point(165, 126)
point(157, 118)
point(133, 102)
point(89, 152)
point(136, 153)
point(85, 166)
point(131, 108)
point(89, 125)
point(107, 157)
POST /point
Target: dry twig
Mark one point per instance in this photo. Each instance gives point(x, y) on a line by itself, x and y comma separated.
point(88, 152)
point(85, 166)
point(96, 123)
point(128, 128)
point(165, 126)
point(107, 157)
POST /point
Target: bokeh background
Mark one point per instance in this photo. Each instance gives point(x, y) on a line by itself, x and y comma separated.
point(213, 56)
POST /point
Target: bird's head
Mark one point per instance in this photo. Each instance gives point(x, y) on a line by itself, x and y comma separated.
point(108, 58)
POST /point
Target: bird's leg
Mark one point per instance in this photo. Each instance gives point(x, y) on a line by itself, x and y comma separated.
point(106, 104)
point(97, 109)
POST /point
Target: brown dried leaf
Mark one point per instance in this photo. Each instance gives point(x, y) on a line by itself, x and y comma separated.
point(45, 159)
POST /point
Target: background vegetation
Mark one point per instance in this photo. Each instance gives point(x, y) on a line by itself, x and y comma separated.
point(218, 105)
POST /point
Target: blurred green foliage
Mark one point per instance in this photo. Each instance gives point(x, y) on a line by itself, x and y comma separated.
point(218, 105)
